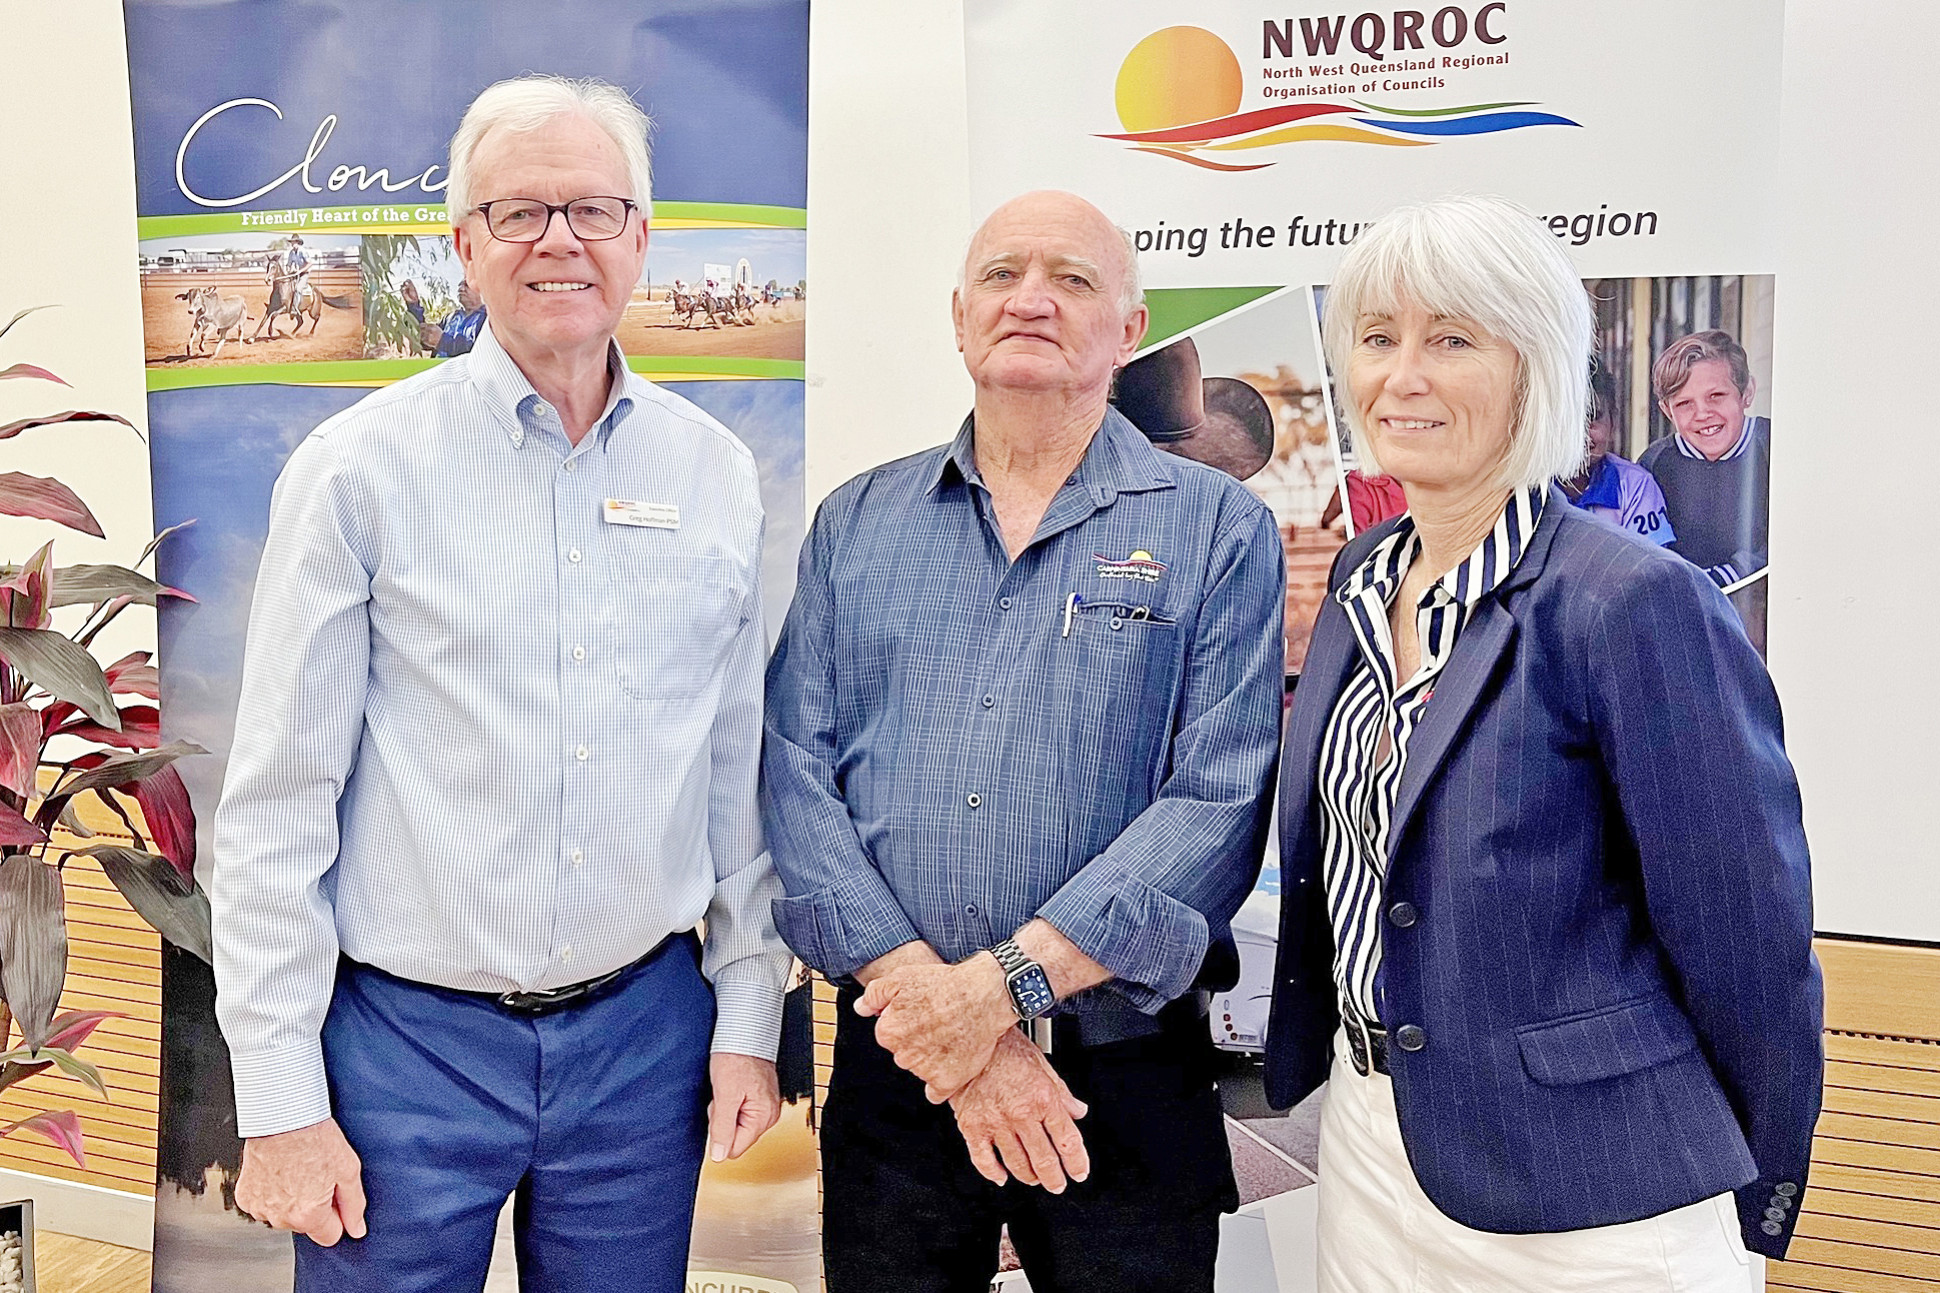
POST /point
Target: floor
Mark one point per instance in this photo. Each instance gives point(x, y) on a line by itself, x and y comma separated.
point(64, 1264)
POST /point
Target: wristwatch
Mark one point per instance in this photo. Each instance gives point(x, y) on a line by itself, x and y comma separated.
point(1030, 987)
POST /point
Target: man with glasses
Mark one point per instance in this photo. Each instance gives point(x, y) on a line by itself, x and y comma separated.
point(495, 759)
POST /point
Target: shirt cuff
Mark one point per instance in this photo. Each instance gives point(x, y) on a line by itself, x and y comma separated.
point(747, 1017)
point(280, 1090)
point(1147, 938)
point(842, 928)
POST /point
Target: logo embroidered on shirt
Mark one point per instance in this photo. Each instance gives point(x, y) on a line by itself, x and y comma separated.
point(1139, 566)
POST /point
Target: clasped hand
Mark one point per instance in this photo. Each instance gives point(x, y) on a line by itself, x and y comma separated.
point(953, 1026)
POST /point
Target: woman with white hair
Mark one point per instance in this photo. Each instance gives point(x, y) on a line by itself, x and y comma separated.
point(1544, 881)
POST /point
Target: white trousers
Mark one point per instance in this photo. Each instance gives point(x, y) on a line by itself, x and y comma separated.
point(1379, 1233)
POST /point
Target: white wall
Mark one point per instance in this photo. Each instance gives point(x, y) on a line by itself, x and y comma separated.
point(1855, 458)
point(1850, 633)
point(67, 239)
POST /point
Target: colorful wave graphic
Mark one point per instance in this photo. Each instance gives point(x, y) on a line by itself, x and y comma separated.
point(1356, 123)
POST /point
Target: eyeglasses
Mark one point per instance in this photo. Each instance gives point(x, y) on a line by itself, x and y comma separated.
point(593, 219)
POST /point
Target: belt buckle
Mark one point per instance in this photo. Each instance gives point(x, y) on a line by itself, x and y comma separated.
point(1358, 1045)
point(540, 1003)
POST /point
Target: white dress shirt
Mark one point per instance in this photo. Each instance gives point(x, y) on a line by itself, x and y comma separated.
point(493, 736)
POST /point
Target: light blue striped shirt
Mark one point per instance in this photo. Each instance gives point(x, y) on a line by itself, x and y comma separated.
point(489, 738)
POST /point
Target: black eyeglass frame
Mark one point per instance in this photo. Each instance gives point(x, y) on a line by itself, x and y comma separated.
point(628, 205)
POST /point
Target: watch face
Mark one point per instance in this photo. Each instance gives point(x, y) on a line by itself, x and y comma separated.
point(1030, 992)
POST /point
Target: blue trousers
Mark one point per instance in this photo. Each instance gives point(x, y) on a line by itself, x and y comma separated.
point(592, 1117)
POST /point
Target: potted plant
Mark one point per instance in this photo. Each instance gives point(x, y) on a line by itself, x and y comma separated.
point(73, 730)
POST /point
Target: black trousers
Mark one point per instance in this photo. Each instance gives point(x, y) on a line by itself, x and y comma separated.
point(904, 1211)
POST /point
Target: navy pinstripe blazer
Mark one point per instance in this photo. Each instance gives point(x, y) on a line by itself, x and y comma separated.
point(1611, 952)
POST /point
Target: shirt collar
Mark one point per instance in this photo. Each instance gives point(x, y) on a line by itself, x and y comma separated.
point(1119, 460)
point(1480, 573)
point(517, 405)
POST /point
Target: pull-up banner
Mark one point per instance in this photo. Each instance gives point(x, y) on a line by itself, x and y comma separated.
point(1244, 144)
point(294, 252)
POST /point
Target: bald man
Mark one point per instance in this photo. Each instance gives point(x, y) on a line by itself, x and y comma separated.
point(1020, 732)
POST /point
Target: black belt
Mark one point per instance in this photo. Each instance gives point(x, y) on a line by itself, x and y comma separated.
point(1367, 1045)
point(546, 1002)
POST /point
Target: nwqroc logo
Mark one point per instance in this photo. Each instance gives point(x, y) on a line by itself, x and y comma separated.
point(1180, 89)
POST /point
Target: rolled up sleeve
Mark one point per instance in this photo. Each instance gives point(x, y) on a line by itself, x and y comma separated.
point(1149, 906)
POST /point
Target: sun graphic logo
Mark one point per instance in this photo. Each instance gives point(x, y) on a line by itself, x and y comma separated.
point(1180, 90)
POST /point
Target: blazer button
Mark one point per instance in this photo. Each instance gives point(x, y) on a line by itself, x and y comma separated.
point(1410, 1037)
point(1403, 914)
point(1786, 1188)
point(1774, 1214)
point(1772, 1228)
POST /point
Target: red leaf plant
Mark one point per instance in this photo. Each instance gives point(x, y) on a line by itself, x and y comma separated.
point(70, 728)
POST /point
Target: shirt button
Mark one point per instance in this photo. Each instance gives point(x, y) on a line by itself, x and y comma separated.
point(973, 799)
point(1410, 1037)
point(988, 701)
point(582, 754)
point(579, 653)
point(573, 556)
point(572, 464)
point(566, 952)
point(1117, 623)
point(579, 855)
point(970, 910)
point(1403, 914)
point(543, 409)
point(1003, 603)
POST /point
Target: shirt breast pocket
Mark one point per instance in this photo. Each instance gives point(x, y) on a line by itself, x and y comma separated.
point(1121, 664)
point(674, 615)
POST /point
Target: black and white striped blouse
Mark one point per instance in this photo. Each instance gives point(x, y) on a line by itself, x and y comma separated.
point(1357, 790)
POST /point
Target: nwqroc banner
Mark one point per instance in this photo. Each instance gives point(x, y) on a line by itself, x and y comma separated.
point(1246, 145)
point(295, 252)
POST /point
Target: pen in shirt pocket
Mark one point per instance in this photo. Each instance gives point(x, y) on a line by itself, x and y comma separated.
point(1070, 609)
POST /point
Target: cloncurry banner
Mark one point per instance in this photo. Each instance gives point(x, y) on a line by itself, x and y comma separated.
point(295, 252)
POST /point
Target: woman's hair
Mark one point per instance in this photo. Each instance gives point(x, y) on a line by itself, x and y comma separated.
point(1488, 261)
point(529, 102)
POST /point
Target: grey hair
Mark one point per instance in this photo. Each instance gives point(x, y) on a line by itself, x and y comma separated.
point(1489, 261)
point(529, 102)
point(1131, 293)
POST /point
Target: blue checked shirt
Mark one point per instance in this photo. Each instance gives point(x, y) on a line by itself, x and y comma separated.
point(957, 743)
point(488, 739)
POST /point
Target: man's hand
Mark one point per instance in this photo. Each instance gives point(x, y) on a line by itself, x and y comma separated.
point(941, 1022)
point(1020, 1109)
point(747, 1101)
point(430, 334)
point(309, 1180)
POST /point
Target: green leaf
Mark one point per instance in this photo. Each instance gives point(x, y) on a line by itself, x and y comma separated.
point(176, 907)
point(62, 668)
point(92, 585)
point(23, 314)
point(33, 943)
point(66, 1061)
point(12, 1072)
point(124, 768)
point(156, 542)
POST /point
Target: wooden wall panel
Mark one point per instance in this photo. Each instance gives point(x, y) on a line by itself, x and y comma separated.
point(1871, 1219)
point(113, 963)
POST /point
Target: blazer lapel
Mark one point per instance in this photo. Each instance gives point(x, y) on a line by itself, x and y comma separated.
point(1486, 640)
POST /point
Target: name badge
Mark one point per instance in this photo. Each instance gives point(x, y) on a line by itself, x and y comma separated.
point(654, 516)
